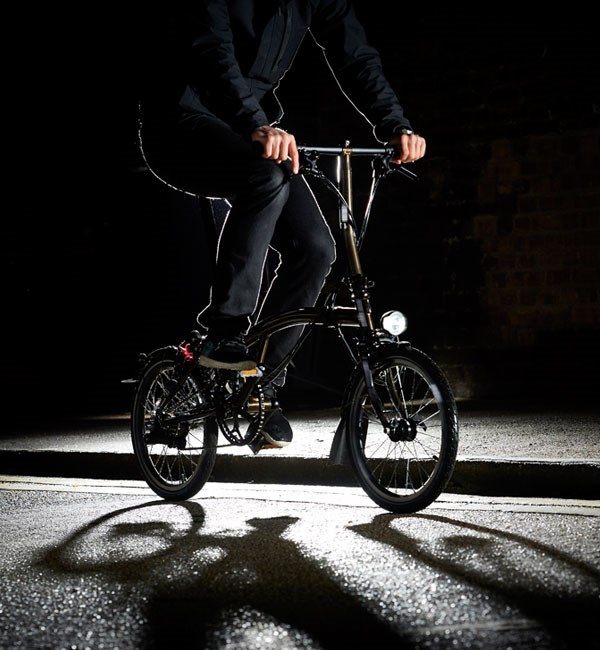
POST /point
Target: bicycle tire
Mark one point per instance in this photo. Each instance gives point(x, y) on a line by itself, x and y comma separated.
point(400, 474)
point(178, 469)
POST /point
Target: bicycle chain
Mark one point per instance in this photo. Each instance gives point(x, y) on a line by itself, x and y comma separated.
point(261, 415)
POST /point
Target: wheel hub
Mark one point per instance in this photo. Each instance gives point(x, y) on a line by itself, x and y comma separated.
point(403, 429)
point(160, 435)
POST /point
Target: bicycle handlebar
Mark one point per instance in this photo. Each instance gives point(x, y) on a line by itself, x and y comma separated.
point(352, 151)
point(385, 153)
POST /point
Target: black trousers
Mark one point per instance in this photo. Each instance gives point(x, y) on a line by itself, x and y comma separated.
point(270, 207)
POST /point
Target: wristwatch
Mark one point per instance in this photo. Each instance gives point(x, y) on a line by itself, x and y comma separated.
point(406, 131)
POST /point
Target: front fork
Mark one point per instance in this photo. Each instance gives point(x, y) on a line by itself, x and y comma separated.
point(359, 290)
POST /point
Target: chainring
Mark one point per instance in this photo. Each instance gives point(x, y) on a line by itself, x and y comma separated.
point(232, 420)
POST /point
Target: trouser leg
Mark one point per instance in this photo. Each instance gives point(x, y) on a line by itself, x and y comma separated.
point(244, 243)
point(307, 252)
point(202, 155)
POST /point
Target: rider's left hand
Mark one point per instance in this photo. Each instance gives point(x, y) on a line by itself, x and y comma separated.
point(409, 147)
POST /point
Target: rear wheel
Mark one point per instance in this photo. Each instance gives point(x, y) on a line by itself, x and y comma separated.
point(176, 459)
point(404, 467)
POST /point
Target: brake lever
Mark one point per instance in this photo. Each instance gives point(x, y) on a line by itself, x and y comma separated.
point(386, 166)
point(402, 169)
point(309, 163)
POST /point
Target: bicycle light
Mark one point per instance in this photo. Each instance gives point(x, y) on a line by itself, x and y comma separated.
point(394, 322)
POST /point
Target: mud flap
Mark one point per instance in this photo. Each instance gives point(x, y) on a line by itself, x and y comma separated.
point(339, 454)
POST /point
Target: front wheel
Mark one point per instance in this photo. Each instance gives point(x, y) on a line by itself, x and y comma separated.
point(176, 460)
point(405, 466)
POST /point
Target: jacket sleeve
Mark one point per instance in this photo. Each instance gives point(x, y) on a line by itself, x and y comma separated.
point(357, 67)
point(214, 71)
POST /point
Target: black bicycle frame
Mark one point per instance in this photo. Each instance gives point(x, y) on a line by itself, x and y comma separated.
point(328, 315)
point(360, 316)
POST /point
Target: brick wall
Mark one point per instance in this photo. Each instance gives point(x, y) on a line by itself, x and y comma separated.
point(541, 259)
point(536, 306)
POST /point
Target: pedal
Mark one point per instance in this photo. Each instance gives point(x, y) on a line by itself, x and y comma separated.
point(254, 372)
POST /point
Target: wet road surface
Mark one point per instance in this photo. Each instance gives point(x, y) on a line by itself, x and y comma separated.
point(105, 564)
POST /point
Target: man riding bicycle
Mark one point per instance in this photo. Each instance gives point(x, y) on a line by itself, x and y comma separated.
point(210, 127)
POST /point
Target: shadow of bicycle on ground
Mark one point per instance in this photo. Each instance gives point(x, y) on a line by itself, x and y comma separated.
point(246, 588)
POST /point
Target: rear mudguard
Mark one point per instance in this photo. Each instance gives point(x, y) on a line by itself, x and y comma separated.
point(146, 359)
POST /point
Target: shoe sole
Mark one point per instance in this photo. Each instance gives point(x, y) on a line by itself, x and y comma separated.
point(275, 443)
point(207, 362)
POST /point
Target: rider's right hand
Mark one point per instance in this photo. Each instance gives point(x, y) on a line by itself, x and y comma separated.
point(277, 145)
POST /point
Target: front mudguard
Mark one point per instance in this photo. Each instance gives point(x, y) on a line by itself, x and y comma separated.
point(339, 453)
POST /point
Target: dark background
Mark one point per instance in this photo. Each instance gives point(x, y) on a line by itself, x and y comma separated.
point(100, 261)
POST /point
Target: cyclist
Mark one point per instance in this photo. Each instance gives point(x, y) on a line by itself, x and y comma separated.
point(211, 126)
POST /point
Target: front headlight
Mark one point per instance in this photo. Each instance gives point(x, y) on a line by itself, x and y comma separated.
point(394, 322)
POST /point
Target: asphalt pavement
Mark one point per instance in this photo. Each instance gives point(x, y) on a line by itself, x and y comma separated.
point(504, 450)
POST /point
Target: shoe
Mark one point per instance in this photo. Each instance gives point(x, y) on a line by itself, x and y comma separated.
point(227, 353)
point(276, 430)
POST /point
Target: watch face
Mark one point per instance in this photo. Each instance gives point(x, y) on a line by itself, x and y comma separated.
point(407, 131)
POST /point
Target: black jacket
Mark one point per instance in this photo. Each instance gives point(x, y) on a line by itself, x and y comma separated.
point(230, 56)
